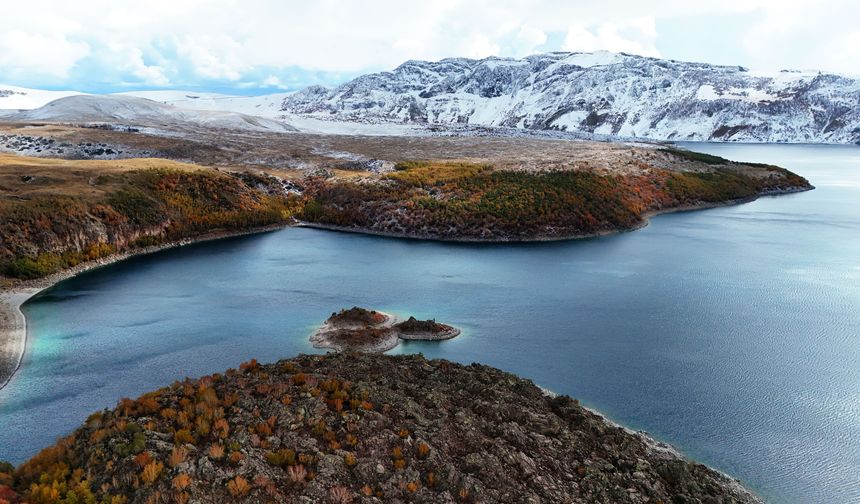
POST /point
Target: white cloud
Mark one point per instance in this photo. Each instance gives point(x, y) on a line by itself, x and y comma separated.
point(161, 42)
point(528, 39)
point(807, 36)
point(273, 81)
point(480, 46)
point(42, 54)
point(634, 36)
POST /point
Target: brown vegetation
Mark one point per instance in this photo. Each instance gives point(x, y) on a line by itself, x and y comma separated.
point(495, 438)
point(445, 200)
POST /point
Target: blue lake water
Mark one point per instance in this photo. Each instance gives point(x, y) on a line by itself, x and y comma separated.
point(732, 333)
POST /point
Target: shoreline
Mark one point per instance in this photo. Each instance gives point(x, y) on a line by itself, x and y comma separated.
point(661, 448)
point(13, 323)
point(646, 217)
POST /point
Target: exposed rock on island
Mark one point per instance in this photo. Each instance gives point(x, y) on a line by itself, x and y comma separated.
point(360, 428)
point(361, 330)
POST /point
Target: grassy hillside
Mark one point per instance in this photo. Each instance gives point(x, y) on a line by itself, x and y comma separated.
point(471, 201)
point(55, 214)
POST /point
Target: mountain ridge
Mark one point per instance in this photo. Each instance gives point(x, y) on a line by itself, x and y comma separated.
point(600, 93)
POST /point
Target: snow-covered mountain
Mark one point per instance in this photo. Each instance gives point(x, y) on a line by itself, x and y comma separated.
point(131, 110)
point(600, 93)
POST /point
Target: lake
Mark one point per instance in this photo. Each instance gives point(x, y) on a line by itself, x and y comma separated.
point(731, 333)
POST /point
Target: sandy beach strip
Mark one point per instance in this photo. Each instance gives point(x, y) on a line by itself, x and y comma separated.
point(13, 331)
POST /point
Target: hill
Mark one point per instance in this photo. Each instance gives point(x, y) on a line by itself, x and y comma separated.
point(361, 428)
point(131, 110)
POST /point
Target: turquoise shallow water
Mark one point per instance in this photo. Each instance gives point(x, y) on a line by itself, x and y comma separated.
point(732, 333)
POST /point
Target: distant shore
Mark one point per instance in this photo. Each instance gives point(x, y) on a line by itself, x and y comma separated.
point(13, 324)
point(553, 238)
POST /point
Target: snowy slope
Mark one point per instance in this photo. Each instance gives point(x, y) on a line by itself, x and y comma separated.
point(14, 97)
point(270, 106)
point(132, 110)
point(600, 93)
point(262, 106)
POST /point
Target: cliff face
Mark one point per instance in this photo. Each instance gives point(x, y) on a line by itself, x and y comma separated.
point(600, 93)
point(361, 428)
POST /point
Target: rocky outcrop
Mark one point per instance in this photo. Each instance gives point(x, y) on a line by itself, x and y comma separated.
point(363, 428)
point(37, 146)
point(361, 330)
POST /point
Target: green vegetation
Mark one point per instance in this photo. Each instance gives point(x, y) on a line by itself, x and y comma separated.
point(697, 156)
point(47, 263)
point(711, 187)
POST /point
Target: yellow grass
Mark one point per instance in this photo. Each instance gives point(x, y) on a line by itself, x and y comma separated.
point(23, 162)
point(26, 177)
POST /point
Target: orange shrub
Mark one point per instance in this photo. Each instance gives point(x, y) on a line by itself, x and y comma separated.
point(177, 456)
point(151, 472)
point(183, 436)
point(238, 487)
point(181, 481)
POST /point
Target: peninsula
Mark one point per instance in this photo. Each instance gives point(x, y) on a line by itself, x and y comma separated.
point(360, 428)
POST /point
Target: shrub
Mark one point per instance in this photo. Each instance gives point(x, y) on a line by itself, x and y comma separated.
point(143, 459)
point(423, 450)
point(147, 241)
point(236, 457)
point(340, 495)
point(696, 156)
point(181, 481)
point(27, 268)
point(238, 487)
point(216, 451)
point(349, 459)
point(297, 473)
point(183, 436)
point(282, 458)
point(177, 456)
point(151, 472)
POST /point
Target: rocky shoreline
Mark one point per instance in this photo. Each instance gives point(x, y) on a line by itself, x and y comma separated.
point(343, 334)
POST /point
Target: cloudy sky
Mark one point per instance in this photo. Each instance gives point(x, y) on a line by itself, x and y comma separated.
point(253, 46)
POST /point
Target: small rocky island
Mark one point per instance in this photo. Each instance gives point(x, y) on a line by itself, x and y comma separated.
point(370, 331)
